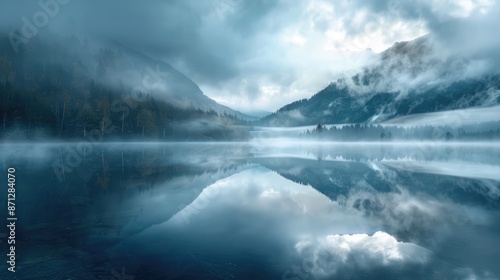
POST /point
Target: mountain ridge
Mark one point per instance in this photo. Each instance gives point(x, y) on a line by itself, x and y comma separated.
point(178, 84)
point(408, 79)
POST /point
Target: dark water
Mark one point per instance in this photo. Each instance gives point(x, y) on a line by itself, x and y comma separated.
point(269, 210)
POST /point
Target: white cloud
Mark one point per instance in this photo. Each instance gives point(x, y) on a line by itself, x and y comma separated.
point(319, 41)
point(328, 255)
point(295, 38)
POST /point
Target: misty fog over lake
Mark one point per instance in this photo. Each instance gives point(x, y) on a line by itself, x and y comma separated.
point(263, 209)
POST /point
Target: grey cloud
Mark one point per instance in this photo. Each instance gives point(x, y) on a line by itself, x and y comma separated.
point(250, 16)
point(252, 89)
point(219, 43)
point(171, 30)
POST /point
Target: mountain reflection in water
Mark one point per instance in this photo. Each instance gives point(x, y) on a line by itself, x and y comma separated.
point(257, 210)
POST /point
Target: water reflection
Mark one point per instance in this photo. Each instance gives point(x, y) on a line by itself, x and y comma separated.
point(257, 210)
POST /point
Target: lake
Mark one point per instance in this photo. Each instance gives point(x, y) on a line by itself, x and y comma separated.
point(265, 209)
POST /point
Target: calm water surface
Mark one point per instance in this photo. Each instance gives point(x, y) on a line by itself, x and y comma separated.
point(261, 210)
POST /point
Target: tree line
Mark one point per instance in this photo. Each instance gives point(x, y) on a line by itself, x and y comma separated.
point(360, 132)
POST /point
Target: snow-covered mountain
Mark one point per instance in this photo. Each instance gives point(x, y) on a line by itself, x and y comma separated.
point(408, 78)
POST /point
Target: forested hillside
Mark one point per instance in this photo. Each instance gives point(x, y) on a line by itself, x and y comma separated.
point(55, 95)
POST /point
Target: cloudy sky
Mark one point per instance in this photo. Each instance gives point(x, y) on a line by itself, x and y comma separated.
point(263, 54)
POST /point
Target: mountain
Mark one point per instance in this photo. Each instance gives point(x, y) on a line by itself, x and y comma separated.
point(116, 67)
point(122, 65)
point(408, 78)
point(66, 88)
